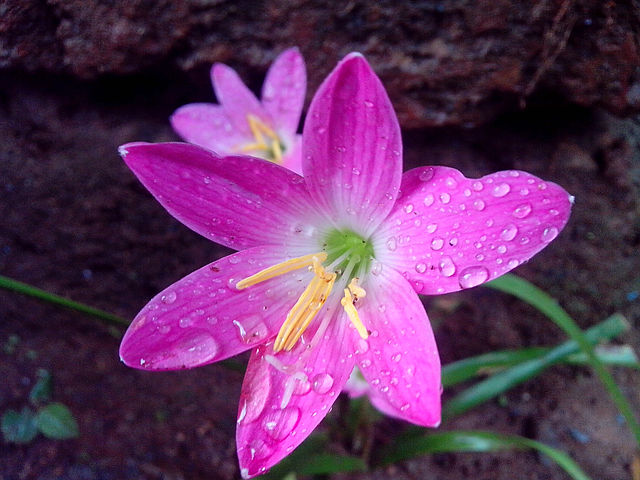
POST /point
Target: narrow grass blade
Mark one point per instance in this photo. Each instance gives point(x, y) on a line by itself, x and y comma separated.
point(476, 441)
point(26, 289)
point(503, 381)
point(531, 294)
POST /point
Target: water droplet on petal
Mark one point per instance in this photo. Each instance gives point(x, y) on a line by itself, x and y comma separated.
point(513, 263)
point(473, 276)
point(501, 190)
point(467, 192)
point(169, 298)
point(322, 383)
point(445, 198)
point(549, 234)
point(502, 249)
point(259, 449)
point(437, 243)
point(509, 232)
point(392, 243)
point(355, 171)
point(522, 211)
point(368, 104)
point(421, 268)
point(365, 363)
point(428, 199)
point(164, 329)
point(278, 424)
point(426, 174)
point(477, 186)
point(397, 357)
point(363, 345)
point(376, 267)
point(408, 208)
point(185, 322)
point(194, 350)
point(447, 267)
point(450, 182)
point(479, 204)
point(432, 227)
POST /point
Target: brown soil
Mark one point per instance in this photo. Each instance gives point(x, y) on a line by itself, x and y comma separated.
point(76, 222)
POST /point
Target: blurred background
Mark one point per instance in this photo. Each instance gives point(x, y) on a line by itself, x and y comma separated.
point(547, 86)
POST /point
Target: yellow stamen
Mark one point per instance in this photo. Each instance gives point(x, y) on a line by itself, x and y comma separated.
point(265, 139)
point(352, 313)
point(356, 290)
point(281, 269)
point(306, 308)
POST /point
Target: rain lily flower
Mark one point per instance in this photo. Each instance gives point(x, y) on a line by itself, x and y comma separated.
point(242, 124)
point(329, 265)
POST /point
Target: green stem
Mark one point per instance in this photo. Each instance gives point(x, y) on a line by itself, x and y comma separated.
point(19, 287)
point(531, 294)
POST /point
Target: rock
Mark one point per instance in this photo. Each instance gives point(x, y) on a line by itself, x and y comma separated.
point(443, 62)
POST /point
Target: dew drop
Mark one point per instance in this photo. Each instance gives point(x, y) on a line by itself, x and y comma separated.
point(524, 191)
point(259, 449)
point(445, 197)
point(193, 350)
point(278, 424)
point(522, 211)
point(169, 298)
point(447, 267)
point(365, 363)
point(408, 208)
point(554, 212)
point(479, 204)
point(322, 383)
point(477, 186)
point(428, 199)
point(432, 227)
point(206, 180)
point(509, 232)
point(392, 244)
point(376, 267)
point(363, 345)
point(513, 263)
point(467, 192)
point(185, 322)
point(501, 190)
point(480, 257)
point(524, 240)
point(473, 276)
point(549, 234)
point(426, 174)
point(450, 182)
point(502, 249)
point(437, 243)
point(355, 171)
point(397, 357)
point(368, 104)
point(421, 268)
point(164, 329)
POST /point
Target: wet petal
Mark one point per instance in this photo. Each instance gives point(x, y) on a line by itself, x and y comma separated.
point(238, 202)
point(400, 358)
point(236, 99)
point(292, 158)
point(203, 318)
point(284, 90)
point(207, 125)
point(285, 395)
point(351, 149)
point(448, 232)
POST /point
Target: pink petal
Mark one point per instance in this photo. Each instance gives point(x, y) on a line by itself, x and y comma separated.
point(238, 201)
point(207, 125)
point(204, 318)
point(400, 358)
point(351, 148)
point(236, 99)
point(448, 232)
point(292, 159)
point(284, 90)
point(285, 395)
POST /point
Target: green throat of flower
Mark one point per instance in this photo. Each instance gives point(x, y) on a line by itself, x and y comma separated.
point(345, 256)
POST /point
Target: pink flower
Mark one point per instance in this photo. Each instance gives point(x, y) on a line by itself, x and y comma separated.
point(329, 265)
point(242, 124)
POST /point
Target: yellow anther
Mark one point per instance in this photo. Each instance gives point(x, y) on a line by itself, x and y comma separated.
point(282, 268)
point(306, 308)
point(356, 290)
point(352, 313)
point(265, 137)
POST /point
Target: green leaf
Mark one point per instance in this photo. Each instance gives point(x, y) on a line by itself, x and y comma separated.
point(56, 421)
point(325, 463)
point(476, 441)
point(19, 427)
point(41, 391)
point(504, 380)
point(539, 299)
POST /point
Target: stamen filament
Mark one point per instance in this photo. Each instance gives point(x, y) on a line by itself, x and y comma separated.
point(259, 130)
point(352, 313)
point(306, 308)
point(281, 269)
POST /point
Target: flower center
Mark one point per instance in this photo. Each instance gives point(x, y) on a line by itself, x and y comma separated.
point(348, 257)
point(266, 141)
